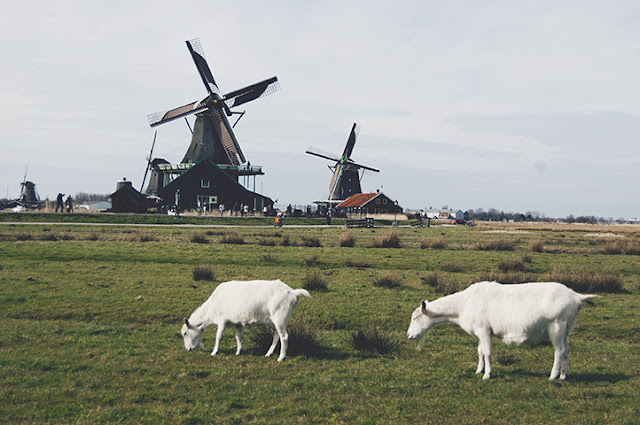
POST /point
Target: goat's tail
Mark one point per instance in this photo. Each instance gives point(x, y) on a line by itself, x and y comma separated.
point(298, 292)
point(588, 297)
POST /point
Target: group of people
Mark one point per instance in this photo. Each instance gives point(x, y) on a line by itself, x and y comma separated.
point(64, 204)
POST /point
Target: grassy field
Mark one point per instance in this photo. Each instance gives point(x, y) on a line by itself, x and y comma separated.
point(90, 318)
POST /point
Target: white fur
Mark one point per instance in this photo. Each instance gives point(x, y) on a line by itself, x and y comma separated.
point(521, 313)
point(241, 303)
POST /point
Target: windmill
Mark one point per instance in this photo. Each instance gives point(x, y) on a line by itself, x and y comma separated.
point(28, 194)
point(212, 136)
point(346, 178)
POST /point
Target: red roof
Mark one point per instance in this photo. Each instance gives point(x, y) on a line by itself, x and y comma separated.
point(357, 200)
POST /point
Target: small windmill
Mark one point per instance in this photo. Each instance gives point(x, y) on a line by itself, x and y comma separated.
point(212, 135)
point(346, 178)
point(28, 193)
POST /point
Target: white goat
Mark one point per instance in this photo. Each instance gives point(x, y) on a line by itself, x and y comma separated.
point(241, 303)
point(521, 313)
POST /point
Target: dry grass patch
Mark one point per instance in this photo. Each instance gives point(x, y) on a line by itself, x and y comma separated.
point(587, 281)
point(348, 240)
point(203, 273)
point(198, 238)
point(453, 266)
point(315, 281)
point(495, 245)
point(231, 238)
point(387, 280)
point(433, 243)
point(388, 240)
point(513, 264)
point(372, 340)
point(358, 264)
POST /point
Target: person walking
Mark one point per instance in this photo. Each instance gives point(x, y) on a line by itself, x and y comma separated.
point(59, 202)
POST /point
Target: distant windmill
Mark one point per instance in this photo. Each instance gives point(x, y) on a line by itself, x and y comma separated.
point(28, 193)
point(212, 135)
point(346, 179)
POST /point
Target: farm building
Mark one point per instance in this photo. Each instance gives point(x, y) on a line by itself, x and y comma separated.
point(369, 203)
point(205, 184)
point(127, 199)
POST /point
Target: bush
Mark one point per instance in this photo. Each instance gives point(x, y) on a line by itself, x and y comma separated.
point(347, 240)
point(202, 273)
point(621, 247)
point(267, 241)
point(453, 266)
point(285, 241)
point(231, 238)
point(315, 282)
point(268, 258)
point(437, 281)
point(513, 264)
point(93, 236)
point(359, 264)
point(433, 243)
point(371, 340)
point(537, 246)
point(24, 236)
point(49, 237)
point(388, 240)
point(197, 238)
point(311, 241)
point(505, 277)
point(587, 281)
point(303, 339)
point(387, 280)
point(142, 237)
point(311, 261)
point(495, 245)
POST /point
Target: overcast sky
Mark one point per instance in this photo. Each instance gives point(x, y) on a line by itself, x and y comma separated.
point(519, 106)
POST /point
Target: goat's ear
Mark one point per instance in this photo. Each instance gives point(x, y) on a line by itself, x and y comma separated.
point(186, 322)
point(424, 306)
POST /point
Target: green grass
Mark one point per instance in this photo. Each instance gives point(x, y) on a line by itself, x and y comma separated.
point(90, 327)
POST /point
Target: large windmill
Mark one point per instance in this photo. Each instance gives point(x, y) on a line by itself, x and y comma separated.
point(213, 136)
point(214, 152)
point(346, 178)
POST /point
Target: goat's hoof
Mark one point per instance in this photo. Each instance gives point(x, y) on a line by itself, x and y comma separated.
point(486, 377)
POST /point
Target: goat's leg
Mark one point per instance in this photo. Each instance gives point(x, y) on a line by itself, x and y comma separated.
point(421, 342)
point(480, 368)
point(484, 354)
point(274, 344)
point(558, 337)
point(239, 339)
point(218, 337)
point(284, 340)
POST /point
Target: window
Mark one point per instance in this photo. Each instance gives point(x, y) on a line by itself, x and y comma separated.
point(384, 201)
point(205, 184)
point(378, 201)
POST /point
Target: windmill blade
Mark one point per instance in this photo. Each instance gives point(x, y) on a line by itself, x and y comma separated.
point(366, 167)
point(148, 161)
point(197, 53)
point(351, 142)
point(252, 92)
point(313, 151)
point(163, 117)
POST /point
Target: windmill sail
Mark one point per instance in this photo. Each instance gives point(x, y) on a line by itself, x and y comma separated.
point(252, 92)
point(197, 53)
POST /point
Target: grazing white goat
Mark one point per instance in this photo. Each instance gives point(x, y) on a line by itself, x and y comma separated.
point(521, 313)
point(241, 303)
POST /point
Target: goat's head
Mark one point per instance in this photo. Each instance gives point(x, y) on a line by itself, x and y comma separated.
point(421, 322)
point(192, 335)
